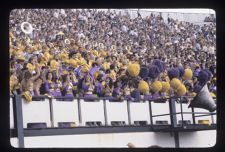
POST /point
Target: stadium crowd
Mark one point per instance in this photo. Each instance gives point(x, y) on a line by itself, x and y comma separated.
point(210, 18)
point(91, 53)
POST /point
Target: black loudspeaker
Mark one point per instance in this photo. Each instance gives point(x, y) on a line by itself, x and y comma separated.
point(203, 100)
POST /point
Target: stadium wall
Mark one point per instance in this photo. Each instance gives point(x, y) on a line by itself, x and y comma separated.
point(197, 18)
point(120, 140)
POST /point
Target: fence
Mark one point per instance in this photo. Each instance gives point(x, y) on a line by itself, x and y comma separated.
point(63, 116)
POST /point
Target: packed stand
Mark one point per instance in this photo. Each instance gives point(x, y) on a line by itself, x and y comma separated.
point(90, 53)
point(210, 18)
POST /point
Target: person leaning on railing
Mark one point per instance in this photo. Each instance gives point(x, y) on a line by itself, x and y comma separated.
point(27, 83)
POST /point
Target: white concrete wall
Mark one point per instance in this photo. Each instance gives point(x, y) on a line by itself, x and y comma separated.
point(120, 140)
point(196, 16)
point(198, 139)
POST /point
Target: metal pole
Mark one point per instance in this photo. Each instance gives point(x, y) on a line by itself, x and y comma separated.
point(173, 116)
point(150, 111)
point(193, 115)
point(105, 113)
point(173, 119)
point(18, 119)
point(128, 111)
point(213, 122)
point(182, 116)
point(79, 111)
point(51, 112)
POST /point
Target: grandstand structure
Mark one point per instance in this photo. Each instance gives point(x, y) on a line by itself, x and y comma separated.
point(167, 123)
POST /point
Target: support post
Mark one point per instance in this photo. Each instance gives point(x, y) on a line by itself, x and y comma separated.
point(128, 111)
point(173, 119)
point(18, 119)
point(79, 111)
point(182, 116)
point(150, 111)
point(105, 113)
point(51, 112)
point(193, 116)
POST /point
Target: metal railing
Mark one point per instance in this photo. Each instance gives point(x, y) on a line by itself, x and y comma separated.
point(19, 130)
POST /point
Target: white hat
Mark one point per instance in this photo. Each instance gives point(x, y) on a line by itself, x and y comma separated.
point(176, 41)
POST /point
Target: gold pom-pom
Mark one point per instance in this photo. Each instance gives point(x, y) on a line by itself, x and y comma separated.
point(53, 64)
point(85, 68)
point(73, 62)
point(46, 56)
point(213, 95)
point(103, 83)
point(90, 62)
point(30, 67)
point(63, 56)
point(143, 87)
point(181, 90)
point(95, 53)
point(106, 65)
point(175, 83)
point(81, 61)
point(21, 57)
point(188, 74)
point(197, 66)
point(193, 94)
point(103, 54)
point(96, 74)
point(156, 86)
point(64, 72)
point(165, 86)
point(133, 69)
point(27, 96)
point(67, 61)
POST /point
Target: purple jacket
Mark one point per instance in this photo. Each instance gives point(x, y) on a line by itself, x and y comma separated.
point(52, 89)
point(93, 70)
point(99, 87)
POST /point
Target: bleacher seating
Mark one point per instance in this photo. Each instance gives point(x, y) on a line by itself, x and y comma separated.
point(117, 112)
point(139, 111)
point(65, 111)
point(36, 112)
point(92, 112)
point(159, 109)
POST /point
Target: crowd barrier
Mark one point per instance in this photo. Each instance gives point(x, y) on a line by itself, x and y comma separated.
point(64, 112)
point(54, 116)
point(52, 112)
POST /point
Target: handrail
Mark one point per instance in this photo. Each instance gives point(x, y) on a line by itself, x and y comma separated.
point(105, 98)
